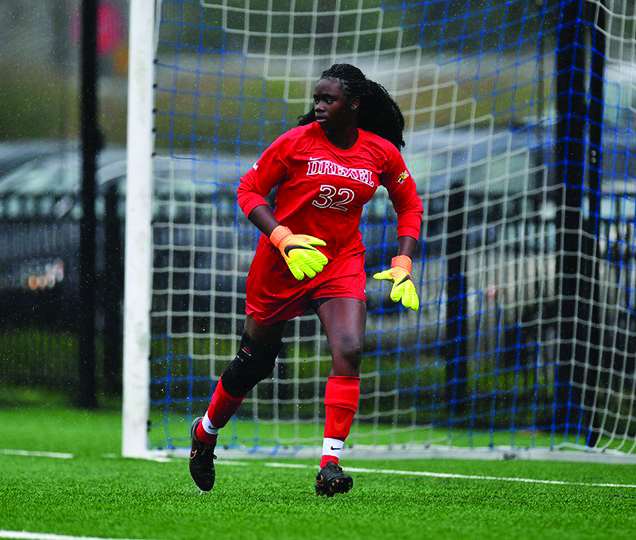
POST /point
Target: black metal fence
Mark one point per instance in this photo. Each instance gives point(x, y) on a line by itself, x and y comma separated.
point(39, 285)
point(39, 292)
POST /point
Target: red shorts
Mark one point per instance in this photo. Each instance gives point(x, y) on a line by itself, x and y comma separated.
point(274, 295)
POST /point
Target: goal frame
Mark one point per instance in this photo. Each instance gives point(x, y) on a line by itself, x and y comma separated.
point(138, 252)
point(138, 292)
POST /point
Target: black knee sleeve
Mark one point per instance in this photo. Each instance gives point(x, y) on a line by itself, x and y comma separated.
point(253, 363)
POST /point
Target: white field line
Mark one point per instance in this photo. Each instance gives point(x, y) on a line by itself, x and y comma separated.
point(29, 453)
point(26, 535)
point(463, 476)
point(427, 474)
point(64, 455)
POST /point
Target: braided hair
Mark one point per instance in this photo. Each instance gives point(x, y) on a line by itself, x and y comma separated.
point(377, 112)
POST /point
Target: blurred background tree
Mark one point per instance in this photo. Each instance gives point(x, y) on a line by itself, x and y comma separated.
point(39, 69)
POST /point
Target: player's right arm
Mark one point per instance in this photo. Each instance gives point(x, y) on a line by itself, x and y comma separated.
point(258, 182)
point(298, 250)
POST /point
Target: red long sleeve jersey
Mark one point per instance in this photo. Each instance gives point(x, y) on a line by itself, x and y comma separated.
point(321, 189)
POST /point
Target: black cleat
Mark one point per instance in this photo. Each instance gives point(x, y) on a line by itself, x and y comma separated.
point(201, 460)
point(332, 480)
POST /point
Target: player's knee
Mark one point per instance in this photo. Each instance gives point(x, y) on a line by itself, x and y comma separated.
point(347, 352)
point(253, 363)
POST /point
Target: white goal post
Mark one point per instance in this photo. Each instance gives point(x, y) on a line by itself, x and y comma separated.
point(523, 154)
point(138, 254)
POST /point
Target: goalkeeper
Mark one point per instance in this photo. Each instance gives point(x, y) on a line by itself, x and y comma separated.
point(311, 256)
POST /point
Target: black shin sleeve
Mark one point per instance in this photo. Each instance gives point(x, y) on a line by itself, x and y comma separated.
point(253, 363)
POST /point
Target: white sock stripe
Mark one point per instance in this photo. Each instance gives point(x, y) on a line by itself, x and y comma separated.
point(207, 425)
point(332, 447)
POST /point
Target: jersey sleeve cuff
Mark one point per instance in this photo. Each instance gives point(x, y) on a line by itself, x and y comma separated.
point(407, 230)
point(251, 201)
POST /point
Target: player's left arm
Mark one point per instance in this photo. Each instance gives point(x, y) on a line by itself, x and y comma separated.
point(409, 209)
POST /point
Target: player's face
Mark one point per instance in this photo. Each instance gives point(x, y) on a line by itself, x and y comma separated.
point(334, 110)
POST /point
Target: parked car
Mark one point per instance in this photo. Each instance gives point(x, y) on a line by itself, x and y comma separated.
point(40, 209)
point(40, 212)
point(503, 175)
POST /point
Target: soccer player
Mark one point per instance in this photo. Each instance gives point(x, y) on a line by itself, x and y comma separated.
point(311, 256)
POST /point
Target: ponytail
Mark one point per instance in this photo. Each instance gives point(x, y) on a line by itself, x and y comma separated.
point(380, 114)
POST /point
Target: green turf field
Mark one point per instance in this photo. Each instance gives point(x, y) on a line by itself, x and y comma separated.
point(89, 490)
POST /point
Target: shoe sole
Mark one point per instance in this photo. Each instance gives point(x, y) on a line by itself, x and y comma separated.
point(344, 485)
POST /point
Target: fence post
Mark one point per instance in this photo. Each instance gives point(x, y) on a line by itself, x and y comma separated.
point(570, 157)
point(596, 20)
point(90, 148)
point(455, 348)
point(113, 291)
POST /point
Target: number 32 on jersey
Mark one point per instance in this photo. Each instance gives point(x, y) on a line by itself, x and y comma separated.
point(330, 197)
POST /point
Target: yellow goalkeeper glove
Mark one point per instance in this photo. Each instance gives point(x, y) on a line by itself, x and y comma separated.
point(403, 286)
point(299, 252)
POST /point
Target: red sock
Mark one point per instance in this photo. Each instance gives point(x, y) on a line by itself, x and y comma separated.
point(222, 407)
point(341, 402)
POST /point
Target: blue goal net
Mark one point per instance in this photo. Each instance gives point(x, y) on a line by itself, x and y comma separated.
point(520, 118)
